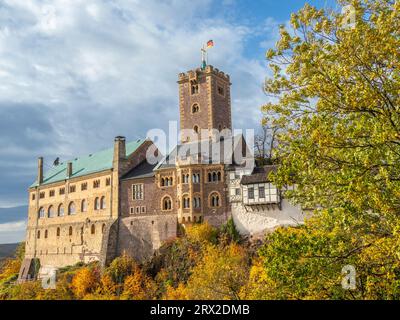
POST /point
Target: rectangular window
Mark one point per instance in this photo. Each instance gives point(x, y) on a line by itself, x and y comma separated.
point(132, 210)
point(137, 191)
point(33, 196)
point(143, 209)
point(108, 181)
point(72, 189)
point(51, 193)
point(251, 193)
point(261, 192)
point(61, 191)
point(237, 191)
point(221, 90)
point(194, 88)
point(137, 210)
point(41, 195)
point(96, 184)
point(84, 186)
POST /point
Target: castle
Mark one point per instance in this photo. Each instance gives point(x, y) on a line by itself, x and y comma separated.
point(115, 201)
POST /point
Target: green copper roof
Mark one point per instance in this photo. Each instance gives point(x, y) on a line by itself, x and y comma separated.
point(92, 163)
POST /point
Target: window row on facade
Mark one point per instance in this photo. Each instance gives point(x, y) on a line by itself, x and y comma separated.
point(195, 178)
point(137, 210)
point(214, 201)
point(53, 211)
point(72, 188)
point(46, 234)
point(189, 219)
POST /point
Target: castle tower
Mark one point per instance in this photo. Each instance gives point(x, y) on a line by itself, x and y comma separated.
point(204, 103)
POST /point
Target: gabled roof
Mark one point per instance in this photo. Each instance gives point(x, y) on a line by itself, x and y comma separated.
point(96, 162)
point(143, 170)
point(259, 175)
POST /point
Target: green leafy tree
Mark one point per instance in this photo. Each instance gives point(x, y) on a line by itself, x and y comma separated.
point(336, 90)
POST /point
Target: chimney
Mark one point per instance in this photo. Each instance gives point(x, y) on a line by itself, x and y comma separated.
point(119, 152)
point(69, 169)
point(40, 170)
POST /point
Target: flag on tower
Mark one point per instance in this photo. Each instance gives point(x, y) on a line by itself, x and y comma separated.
point(210, 44)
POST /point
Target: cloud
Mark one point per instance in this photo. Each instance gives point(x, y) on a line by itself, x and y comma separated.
point(74, 74)
point(13, 226)
point(12, 232)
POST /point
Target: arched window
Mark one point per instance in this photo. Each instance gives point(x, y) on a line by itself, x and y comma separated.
point(103, 228)
point(103, 203)
point(70, 231)
point(38, 234)
point(196, 129)
point(183, 219)
point(214, 176)
point(84, 205)
point(196, 202)
point(93, 229)
point(209, 177)
point(195, 108)
point(162, 182)
point(167, 203)
point(196, 178)
point(186, 202)
point(41, 212)
point(58, 232)
point(46, 233)
point(71, 208)
point(96, 204)
point(214, 200)
point(219, 176)
point(51, 213)
point(60, 210)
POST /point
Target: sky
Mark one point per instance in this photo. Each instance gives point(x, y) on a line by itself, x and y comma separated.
point(76, 73)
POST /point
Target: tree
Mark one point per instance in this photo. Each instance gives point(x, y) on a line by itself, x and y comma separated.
point(139, 286)
point(336, 92)
point(220, 274)
point(85, 281)
point(265, 142)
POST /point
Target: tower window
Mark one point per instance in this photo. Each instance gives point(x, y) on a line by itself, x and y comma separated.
point(194, 87)
point(195, 108)
point(220, 90)
point(196, 129)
